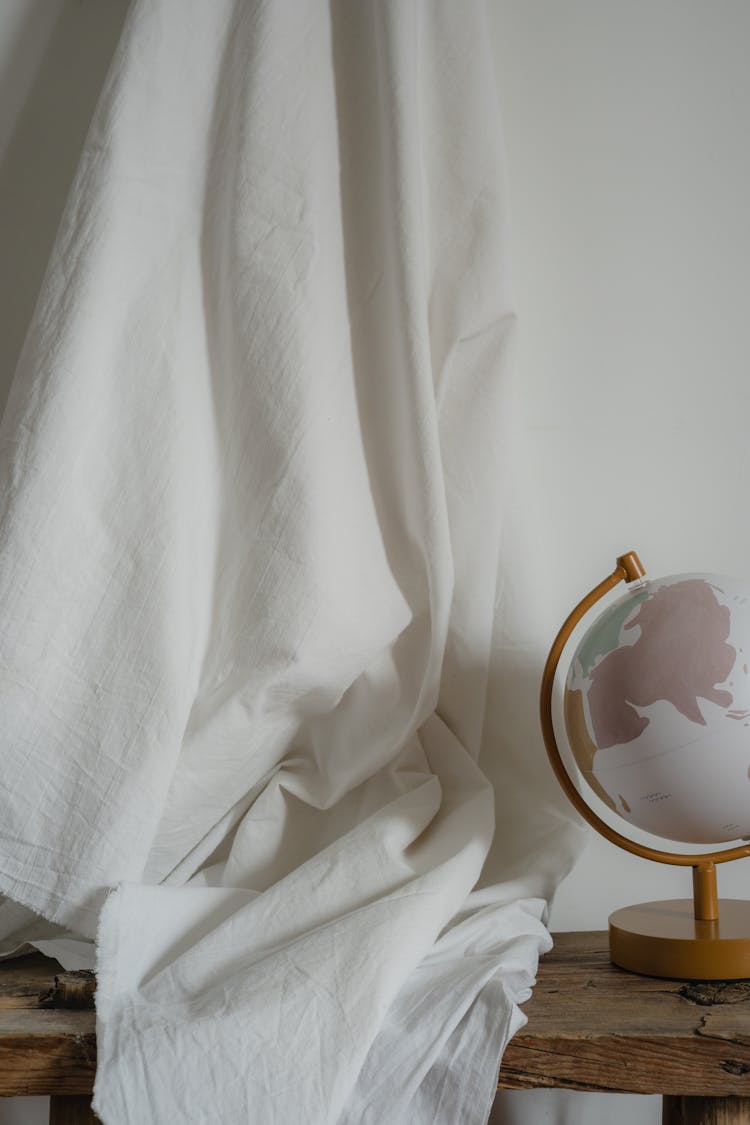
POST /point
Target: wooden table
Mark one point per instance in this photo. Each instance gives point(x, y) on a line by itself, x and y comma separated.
point(591, 1027)
point(48, 1036)
point(595, 1027)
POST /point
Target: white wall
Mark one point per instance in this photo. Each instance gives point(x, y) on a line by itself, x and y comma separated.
point(53, 58)
point(627, 127)
point(626, 124)
point(628, 135)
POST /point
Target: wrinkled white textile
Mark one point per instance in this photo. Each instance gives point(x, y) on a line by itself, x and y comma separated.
point(254, 547)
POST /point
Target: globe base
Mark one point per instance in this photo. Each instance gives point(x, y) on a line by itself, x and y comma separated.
point(664, 939)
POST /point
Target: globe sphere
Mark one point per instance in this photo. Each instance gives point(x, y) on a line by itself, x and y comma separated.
point(657, 707)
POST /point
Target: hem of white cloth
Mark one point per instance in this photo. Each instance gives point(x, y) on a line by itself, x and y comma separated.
point(20, 950)
point(106, 979)
point(48, 904)
point(72, 952)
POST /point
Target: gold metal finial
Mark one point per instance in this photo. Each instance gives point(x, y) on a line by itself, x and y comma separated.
point(632, 565)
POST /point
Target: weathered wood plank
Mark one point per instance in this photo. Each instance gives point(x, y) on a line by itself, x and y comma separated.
point(34, 1022)
point(706, 1111)
point(47, 1064)
point(593, 1026)
point(637, 1065)
point(24, 979)
point(71, 990)
point(45, 1049)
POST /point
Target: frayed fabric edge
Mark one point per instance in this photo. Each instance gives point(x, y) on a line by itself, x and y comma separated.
point(106, 977)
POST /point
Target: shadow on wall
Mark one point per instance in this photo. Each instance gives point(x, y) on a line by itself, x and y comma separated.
point(50, 77)
point(24, 1111)
point(67, 46)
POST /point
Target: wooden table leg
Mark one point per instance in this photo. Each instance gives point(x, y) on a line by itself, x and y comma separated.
point(71, 1111)
point(681, 1110)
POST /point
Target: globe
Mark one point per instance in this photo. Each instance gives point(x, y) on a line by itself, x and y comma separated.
point(657, 707)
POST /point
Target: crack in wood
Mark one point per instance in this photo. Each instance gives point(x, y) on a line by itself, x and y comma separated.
point(86, 1044)
point(706, 1030)
point(734, 1066)
point(543, 1081)
point(707, 993)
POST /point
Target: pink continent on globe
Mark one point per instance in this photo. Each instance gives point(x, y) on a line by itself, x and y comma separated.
point(680, 656)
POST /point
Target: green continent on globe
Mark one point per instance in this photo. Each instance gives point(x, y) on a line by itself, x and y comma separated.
point(605, 638)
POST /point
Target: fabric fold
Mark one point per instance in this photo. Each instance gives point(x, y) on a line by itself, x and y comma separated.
point(254, 563)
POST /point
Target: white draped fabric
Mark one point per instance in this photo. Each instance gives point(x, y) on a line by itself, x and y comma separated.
point(268, 642)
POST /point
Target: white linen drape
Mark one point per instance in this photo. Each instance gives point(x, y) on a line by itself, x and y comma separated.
point(257, 574)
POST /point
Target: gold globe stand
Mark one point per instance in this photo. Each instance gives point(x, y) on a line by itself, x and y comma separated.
point(684, 939)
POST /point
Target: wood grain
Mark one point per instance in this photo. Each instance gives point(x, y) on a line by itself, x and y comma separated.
point(45, 1048)
point(71, 990)
point(593, 1026)
point(706, 1111)
point(24, 979)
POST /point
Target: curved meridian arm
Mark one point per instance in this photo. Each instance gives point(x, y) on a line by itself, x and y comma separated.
point(628, 569)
